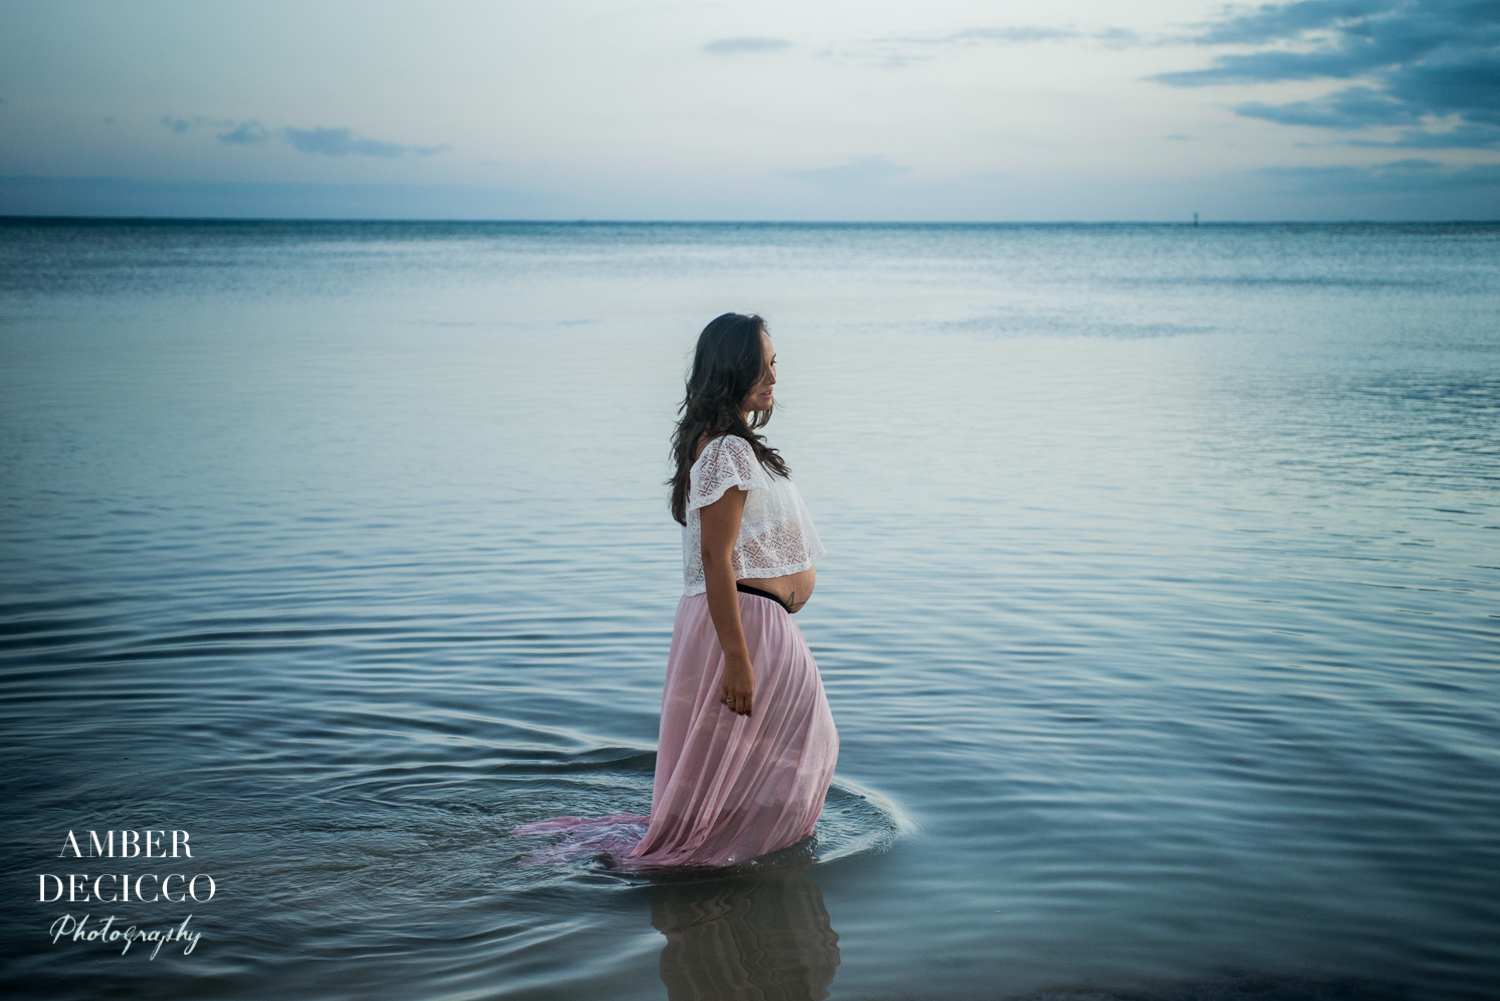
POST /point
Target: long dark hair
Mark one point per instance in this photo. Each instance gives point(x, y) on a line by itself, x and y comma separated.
point(728, 361)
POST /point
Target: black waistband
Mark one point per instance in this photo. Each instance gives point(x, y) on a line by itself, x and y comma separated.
point(740, 585)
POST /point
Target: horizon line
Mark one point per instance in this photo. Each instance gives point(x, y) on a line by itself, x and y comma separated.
point(452, 220)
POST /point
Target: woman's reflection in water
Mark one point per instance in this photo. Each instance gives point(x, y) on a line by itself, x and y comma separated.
point(758, 938)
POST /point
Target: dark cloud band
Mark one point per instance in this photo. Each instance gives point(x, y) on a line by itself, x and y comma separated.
point(1416, 60)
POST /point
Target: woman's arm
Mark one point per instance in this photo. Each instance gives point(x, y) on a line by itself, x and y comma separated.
point(721, 527)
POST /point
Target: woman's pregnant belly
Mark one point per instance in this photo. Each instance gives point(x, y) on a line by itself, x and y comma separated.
point(794, 589)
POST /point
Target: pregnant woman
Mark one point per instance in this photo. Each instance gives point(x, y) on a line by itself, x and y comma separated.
point(747, 745)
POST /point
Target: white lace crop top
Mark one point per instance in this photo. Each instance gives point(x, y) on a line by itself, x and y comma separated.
point(776, 532)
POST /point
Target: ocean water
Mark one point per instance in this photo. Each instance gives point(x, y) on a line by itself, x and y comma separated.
point(1160, 622)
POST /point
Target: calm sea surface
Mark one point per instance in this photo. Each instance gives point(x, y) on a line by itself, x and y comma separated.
point(1160, 622)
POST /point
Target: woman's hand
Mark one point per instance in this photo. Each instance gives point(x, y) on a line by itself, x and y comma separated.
point(738, 689)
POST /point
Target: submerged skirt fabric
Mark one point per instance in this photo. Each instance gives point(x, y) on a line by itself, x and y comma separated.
point(727, 788)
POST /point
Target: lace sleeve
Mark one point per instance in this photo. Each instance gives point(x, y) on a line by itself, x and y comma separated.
point(727, 462)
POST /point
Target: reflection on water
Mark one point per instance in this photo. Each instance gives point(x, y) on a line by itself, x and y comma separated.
point(757, 938)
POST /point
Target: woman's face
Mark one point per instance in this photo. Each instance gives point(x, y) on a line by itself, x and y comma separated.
point(760, 395)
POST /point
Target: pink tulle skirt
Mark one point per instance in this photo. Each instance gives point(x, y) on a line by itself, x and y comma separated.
point(728, 788)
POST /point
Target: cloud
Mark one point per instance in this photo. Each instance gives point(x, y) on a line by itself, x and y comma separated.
point(899, 51)
point(316, 140)
point(1353, 108)
point(1398, 177)
point(1270, 22)
point(1017, 33)
point(735, 46)
point(1117, 38)
point(343, 142)
point(858, 172)
point(1461, 137)
point(1416, 60)
point(246, 132)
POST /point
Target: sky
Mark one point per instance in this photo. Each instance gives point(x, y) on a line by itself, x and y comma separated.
point(940, 110)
